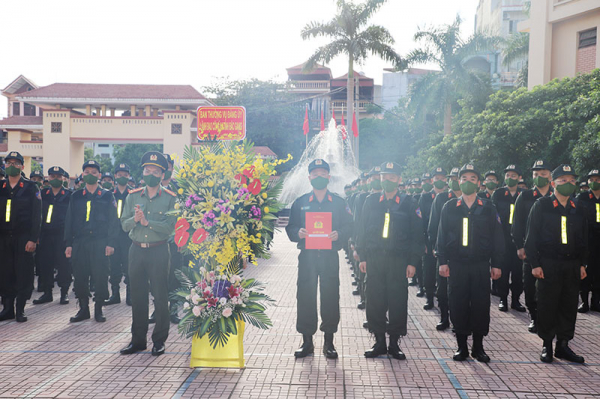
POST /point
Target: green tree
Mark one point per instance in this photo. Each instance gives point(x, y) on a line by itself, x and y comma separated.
point(274, 117)
point(131, 154)
point(516, 48)
point(35, 166)
point(438, 93)
point(350, 36)
point(105, 163)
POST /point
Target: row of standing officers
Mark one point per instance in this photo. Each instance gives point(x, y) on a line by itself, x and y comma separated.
point(91, 236)
point(536, 241)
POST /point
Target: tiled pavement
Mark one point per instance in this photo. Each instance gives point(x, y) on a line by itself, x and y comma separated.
point(48, 357)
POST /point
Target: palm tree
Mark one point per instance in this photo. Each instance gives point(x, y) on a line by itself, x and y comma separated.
point(353, 38)
point(444, 47)
point(516, 48)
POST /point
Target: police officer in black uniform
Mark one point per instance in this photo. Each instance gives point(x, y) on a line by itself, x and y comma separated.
point(108, 181)
point(120, 260)
point(512, 269)
point(37, 177)
point(358, 203)
point(557, 247)
point(319, 264)
point(591, 200)
point(469, 238)
point(541, 181)
point(490, 182)
point(51, 251)
point(91, 233)
point(432, 233)
point(20, 218)
point(390, 243)
point(438, 182)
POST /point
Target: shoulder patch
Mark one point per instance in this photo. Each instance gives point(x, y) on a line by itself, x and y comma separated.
point(479, 201)
point(170, 192)
point(348, 209)
point(397, 199)
point(498, 218)
point(458, 203)
point(38, 195)
point(137, 190)
point(572, 203)
point(555, 203)
point(418, 212)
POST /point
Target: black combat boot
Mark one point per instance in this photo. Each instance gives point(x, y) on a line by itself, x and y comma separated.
point(64, 296)
point(503, 306)
point(8, 313)
point(595, 305)
point(379, 348)
point(328, 348)
point(546, 355)
point(584, 307)
point(532, 328)
point(115, 298)
point(429, 303)
point(83, 314)
point(563, 351)
point(361, 305)
point(45, 298)
point(20, 311)
point(444, 321)
point(516, 305)
point(421, 292)
point(477, 352)
point(98, 315)
point(462, 353)
point(394, 347)
point(307, 347)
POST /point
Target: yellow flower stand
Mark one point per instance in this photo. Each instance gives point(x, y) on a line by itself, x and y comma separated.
point(229, 356)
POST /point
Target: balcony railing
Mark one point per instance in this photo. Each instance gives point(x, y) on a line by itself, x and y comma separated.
point(306, 86)
point(339, 105)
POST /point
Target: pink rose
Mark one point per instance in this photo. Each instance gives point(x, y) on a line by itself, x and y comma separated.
point(196, 311)
point(227, 312)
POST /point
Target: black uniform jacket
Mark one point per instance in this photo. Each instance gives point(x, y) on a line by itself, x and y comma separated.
point(54, 210)
point(470, 234)
point(341, 217)
point(25, 212)
point(404, 227)
point(557, 232)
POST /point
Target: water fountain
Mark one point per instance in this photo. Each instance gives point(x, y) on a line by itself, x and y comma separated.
point(329, 145)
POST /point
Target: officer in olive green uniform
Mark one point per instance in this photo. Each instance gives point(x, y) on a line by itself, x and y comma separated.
point(91, 232)
point(319, 265)
point(120, 260)
point(557, 247)
point(591, 200)
point(390, 243)
point(470, 240)
point(51, 251)
point(145, 217)
point(20, 219)
point(541, 180)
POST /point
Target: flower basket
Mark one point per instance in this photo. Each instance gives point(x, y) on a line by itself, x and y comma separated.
point(229, 356)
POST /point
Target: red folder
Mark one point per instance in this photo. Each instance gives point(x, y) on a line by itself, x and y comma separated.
point(318, 225)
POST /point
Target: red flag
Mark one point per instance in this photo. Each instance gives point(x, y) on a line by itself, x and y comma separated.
point(343, 128)
point(354, 125)
point(305, 127)
point(333, 116)
point(322, 121)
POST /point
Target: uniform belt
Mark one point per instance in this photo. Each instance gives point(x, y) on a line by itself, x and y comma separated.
point(149, 244)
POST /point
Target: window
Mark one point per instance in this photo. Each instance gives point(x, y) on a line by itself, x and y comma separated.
point(104, 155)
point(103, 145)
point(16, 109)
point(176, 128)
point(29, 109)
point(56, 127)
point(587, 38)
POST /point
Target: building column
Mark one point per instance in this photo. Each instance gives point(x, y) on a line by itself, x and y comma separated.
point(88, 110)
point(103, 107)
point(21, 108)
point(178, 108)
point(132, 110)
point(113, 111)
point(155, 112)
point(98, 111)
point(540, 44)
point(148, 111)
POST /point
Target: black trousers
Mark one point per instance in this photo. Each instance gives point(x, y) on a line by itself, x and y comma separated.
point(512, 274)
point(592, 282)
point(387, 292)
point(318, 267)
point(175, 262)
point(558, 297)
point(442, 288)
point(119, 262)
point(51, 255)
point(16, 268)
point(419, 272)
point(469, 296)
point(430, 273)
point(529, 290)
point(89, 260)
point(149, 270)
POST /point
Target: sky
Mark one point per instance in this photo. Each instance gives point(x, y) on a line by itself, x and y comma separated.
point(188, 42)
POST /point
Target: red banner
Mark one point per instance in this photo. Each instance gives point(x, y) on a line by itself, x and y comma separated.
point(221, 123)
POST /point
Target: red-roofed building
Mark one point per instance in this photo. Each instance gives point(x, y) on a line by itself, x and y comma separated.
point(52, 123)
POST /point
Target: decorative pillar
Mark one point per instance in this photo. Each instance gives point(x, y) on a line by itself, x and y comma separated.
point(113, 112)
point(98, 111)
point(88, 109)
point(103, 107)
point(132, 110)
point(155, 112)
point(148, 111)
point(178, 108)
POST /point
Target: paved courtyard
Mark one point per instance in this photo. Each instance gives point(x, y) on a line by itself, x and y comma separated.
point(51, 358)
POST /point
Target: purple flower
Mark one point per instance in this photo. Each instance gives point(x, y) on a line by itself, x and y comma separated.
point(220, 289)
